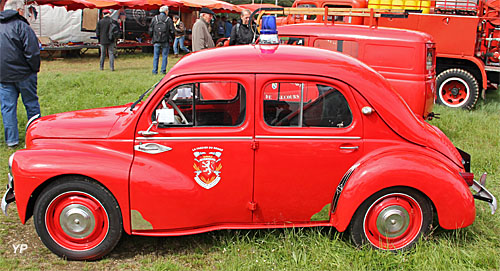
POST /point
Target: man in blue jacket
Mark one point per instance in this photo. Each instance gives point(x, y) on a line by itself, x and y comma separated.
point(20, 63)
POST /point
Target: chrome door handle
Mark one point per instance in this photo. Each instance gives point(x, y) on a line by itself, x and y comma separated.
point(151, 148)
point(349, 148)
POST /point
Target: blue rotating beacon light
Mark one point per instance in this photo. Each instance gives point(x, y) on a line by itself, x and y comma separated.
point(268, 31)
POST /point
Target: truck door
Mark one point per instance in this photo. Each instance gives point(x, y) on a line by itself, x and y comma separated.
point(195, 168)
point(309, 134)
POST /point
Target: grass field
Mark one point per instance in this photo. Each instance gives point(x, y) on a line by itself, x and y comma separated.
point(71, 84)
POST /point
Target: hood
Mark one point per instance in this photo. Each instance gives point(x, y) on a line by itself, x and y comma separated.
point(9, 14)
point(91, 123)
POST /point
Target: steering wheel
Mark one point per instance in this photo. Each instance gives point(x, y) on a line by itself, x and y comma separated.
point(176, 108)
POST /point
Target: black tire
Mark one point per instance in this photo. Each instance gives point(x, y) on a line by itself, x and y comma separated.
point(392, 205)
point(457, 88)
point(78, 219)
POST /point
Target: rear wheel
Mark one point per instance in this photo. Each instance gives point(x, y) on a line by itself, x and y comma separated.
point(392, 219)
point(78, 219)
point(457, 88)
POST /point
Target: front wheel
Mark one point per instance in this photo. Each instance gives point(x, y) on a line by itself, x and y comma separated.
point(392, 219)
point(457, 88)
point(78, 219)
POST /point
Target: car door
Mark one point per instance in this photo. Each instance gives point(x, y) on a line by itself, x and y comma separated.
point(195, 168)
point(302, 153)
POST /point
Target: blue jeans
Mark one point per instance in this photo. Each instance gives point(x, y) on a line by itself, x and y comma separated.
point(9, 93)
point(164, 54)
point(110, 48)
point(180, 41)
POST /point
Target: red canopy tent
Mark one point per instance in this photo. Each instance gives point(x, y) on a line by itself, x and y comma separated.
point(184, 5)
point(253, 7)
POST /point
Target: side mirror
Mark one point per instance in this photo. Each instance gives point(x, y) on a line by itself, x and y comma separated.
point(165, 116)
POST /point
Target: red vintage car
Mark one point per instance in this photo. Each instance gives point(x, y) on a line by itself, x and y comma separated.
point(244, 137)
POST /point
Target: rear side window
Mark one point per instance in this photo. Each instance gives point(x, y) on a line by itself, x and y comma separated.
point(305, 104)
point(347, 47)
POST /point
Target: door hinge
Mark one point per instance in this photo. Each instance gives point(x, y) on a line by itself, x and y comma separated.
point(255, 145)
point(252, 206)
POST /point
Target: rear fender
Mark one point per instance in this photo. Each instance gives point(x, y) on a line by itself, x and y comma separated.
point(442, 185)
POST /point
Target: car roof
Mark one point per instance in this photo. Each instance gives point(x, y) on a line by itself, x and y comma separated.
point(302, 60)
point(357, 32)
point(284, 59)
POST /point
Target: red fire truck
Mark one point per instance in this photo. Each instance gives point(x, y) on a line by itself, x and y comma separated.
point(466, 33)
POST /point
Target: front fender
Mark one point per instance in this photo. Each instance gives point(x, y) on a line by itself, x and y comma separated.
point(34, 168)
point(441, 183)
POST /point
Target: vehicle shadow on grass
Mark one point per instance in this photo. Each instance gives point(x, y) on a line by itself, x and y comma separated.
point(216, 241)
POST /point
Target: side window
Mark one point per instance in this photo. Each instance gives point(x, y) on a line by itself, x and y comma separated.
point(306, 17)
point(218, 103)
point(292, 41)
point(347, 47)
point(305, 104)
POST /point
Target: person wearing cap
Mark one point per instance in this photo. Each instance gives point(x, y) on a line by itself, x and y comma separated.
point(201, 36)
point(161, 30)
point(20, 63)
point(106, 43)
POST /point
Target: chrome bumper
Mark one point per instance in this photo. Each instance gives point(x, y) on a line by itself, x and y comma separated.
point(9, 196)
point(482, 193)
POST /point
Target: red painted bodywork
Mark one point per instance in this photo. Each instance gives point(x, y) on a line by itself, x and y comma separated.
point(399, 55)
point(267, 182)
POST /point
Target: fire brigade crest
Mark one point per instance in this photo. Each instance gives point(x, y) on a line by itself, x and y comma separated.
point(207, 166)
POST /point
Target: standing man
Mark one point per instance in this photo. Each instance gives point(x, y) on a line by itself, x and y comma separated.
point(162, 31)
point(180, 31)
point(105, 38)
point(228, 25)
point(20, 58)
point(201, 35)
point(241, 33)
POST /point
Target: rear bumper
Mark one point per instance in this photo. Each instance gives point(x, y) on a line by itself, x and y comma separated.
point(9, 196)
point(483, 194)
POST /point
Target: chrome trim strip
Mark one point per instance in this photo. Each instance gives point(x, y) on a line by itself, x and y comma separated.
point(308, 137)
point(341, 185)
point(197, 138)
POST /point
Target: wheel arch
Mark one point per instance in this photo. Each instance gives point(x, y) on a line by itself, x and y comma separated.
point(470, 64)
point(449, 195)
point(38, 190)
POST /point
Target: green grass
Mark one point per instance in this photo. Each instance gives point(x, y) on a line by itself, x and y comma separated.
point(71, 84)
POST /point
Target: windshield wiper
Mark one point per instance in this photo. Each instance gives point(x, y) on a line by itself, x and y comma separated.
point(142, 95)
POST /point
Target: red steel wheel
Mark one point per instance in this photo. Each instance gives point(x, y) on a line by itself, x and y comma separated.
point(454, 92)
point(77, 218)
point(76, 221)
point(457, 88)
point(392, 219)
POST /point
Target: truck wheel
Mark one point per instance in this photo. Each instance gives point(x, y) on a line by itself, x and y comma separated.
point(392, 219)
point(78, 219)
point(457, 88)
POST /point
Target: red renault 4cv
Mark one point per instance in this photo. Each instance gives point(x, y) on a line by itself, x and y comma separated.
point(244, 137)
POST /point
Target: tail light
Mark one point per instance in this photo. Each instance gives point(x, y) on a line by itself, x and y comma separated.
point(430, 57)
point(468, 177)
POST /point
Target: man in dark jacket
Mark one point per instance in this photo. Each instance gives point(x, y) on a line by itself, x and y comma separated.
point(106, 41)
point(162, 31)
point(20, 63)
point(241, 33)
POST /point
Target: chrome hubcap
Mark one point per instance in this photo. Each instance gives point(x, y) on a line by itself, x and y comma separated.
point(393, 221)
point(77, 221)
